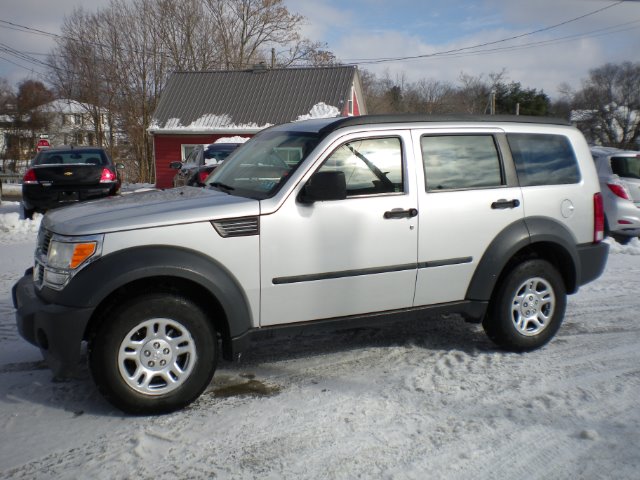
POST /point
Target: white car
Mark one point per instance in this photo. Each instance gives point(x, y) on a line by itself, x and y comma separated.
point(619, 175)
point(325, 223)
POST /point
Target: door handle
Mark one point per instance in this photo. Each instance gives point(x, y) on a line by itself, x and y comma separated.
point(502, 204)
point(400, 213)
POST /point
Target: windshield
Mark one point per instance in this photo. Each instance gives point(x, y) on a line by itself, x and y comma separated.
point(260, 168)
point(628, 167)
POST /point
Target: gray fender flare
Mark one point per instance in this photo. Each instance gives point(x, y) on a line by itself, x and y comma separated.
point(97, 281)
point(510, 241)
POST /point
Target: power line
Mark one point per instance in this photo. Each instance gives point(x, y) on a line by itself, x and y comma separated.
point(371, 61)
point(591, 34)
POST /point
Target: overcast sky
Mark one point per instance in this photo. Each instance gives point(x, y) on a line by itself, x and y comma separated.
point(553, 44)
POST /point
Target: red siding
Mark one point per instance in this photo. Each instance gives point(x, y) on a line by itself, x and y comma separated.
point(168, 148)
point(356, 107)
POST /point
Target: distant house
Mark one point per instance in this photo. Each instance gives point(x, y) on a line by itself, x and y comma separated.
point(75, 123)
point(201, 107)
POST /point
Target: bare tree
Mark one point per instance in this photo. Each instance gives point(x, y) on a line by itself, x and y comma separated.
point(188, 34)
point(431, 96)
point(247, 29)
point(118, 59)
point(610, 105)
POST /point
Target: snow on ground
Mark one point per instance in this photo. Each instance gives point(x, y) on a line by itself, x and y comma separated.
point(427, 398)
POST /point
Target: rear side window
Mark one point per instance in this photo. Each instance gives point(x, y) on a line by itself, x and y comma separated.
point(543, 159)
point(628, 167)
point(460, 161)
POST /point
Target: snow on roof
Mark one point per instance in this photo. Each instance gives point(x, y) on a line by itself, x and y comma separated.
point(320, 110)
point(209, 122)
point(65, 105)
point(234, 139)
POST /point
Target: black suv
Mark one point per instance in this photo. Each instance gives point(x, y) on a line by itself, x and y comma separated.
point(62, 175)
point(200, 163)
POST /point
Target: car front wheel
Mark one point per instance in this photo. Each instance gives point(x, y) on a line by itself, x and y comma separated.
point(527, 307)
point(154, 354)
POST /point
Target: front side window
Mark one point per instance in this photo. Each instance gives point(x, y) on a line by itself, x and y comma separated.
point(543, 159)
point(262, 166)
point(454, 162)
point(371, 166)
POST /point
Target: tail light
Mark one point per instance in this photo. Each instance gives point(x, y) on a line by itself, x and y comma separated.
point(619, 190)
point(202, 176)
point(107, 176)
point(598, 218)
point(30, 177)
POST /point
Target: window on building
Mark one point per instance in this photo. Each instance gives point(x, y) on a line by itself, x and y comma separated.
point(186, 149)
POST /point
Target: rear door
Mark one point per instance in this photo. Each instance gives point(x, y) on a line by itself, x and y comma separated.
point(468, 196)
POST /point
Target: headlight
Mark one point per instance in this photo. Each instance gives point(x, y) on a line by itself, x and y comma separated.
point(67, 256)
point(70, 255)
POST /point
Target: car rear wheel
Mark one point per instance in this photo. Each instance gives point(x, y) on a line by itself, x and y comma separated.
point(26, 213)
point(527, 307)
point(154, 354)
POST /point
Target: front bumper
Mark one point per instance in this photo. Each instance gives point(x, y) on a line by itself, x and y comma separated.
point(57, 330)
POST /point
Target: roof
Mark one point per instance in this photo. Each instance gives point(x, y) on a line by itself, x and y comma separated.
point(250, 100)
point(327, 125)
point(65, 105)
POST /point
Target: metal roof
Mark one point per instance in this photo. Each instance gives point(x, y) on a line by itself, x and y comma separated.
point(246, 99)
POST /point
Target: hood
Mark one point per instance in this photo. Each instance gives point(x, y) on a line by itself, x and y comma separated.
point(148, 209)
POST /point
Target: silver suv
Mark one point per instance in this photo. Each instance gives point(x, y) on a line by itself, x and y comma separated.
point(619, 174)
point(321, 223)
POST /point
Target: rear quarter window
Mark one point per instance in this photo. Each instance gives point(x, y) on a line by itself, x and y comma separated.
point(543, 159)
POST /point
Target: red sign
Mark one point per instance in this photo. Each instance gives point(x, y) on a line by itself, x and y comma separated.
point(42, 143)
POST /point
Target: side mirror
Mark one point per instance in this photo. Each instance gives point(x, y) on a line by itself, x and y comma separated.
point(324, 186)
point(120, 166)
point(177, 165)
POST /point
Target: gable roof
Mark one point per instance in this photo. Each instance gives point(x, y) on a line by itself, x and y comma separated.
point(249, 100)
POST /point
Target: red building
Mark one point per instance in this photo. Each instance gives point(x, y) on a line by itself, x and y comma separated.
point(201, 107)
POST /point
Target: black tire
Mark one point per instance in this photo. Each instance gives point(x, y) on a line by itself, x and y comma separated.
point(622, 239)
point(136, 362)
point(527, 307)
point(27, 213)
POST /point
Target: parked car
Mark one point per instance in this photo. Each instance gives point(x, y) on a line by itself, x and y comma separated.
point(324, 223)
point(619, 175)
point(63, 175)
point(199, 164)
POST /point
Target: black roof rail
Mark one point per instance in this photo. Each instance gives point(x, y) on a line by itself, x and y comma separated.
point(421, 117)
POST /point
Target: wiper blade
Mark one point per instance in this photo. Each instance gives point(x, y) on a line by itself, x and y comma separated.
point(221, 186)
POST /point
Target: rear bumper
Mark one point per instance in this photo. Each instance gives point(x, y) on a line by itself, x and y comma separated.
point(56, 329)
point(593, 260)
point(37, 197)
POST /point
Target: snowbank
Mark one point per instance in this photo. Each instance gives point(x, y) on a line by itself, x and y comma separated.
point(632, 248)
point(14, 229)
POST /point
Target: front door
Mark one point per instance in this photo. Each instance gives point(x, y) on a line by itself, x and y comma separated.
point(345, 257)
